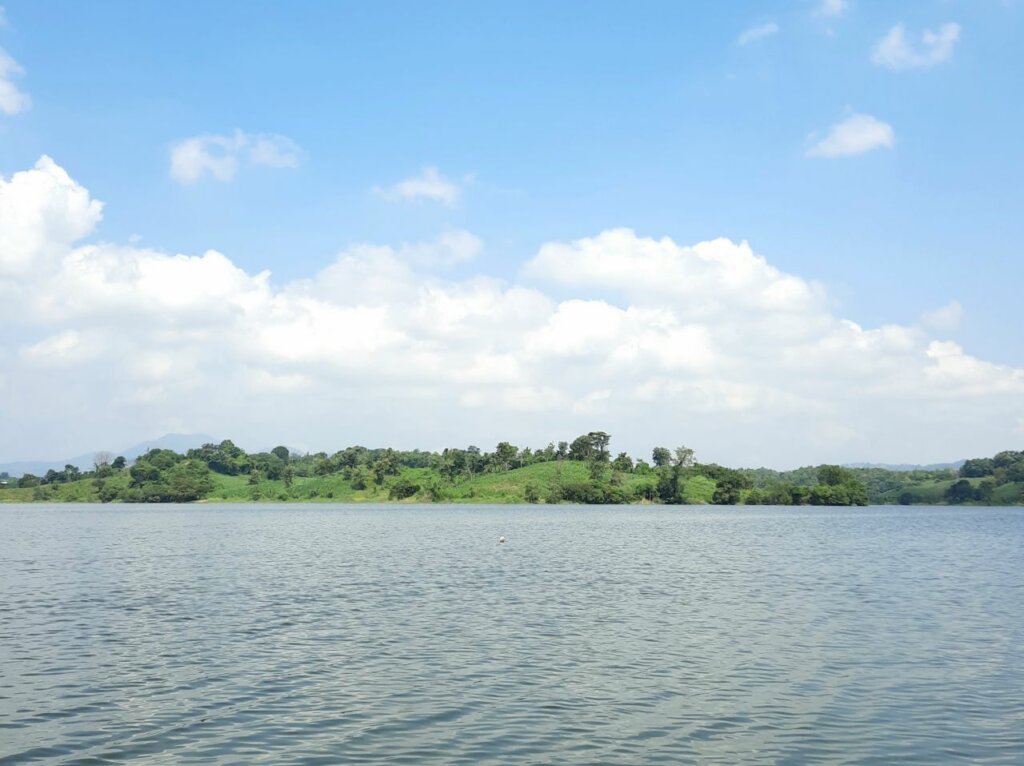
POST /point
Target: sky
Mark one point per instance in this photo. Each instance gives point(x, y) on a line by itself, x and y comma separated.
point(780, 233)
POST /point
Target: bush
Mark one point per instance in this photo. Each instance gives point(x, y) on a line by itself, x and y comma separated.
point(594, 493)
point(403, 488)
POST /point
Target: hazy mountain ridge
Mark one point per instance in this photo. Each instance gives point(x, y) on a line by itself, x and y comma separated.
point(176, 442)
point(954, 466)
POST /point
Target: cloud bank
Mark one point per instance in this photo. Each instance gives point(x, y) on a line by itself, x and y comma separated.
point(709, 345)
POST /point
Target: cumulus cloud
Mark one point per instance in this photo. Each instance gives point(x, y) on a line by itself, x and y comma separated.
point(657, 342)
point(832, 9)
point(429, 185)
point(42, 213)
point(857, 134)
point(897, 51)
point(12, 100)
point(220, 156)
point(757, 33)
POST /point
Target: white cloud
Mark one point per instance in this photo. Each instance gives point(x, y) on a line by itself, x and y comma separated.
point(965, 374)
point(946, 317)
point(832, 9)
point(709, 345)
point(221, 155)
point(757, 33)
point(42, 212)
point(274, 151)
point(12, 100)
point(896, 51)
point(429, 185)
point(857, 134)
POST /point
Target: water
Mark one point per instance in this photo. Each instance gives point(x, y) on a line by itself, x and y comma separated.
point(310, 634)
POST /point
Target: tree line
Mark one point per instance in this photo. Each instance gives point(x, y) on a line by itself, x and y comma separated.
point(598, 476)
point(671, 476)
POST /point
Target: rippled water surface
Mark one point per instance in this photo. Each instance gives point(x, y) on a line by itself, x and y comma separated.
point(283, 634)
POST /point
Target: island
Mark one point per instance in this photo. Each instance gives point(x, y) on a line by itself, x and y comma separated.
point(581, 471)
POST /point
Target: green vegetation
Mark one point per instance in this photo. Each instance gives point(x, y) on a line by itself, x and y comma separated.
point(582, 471)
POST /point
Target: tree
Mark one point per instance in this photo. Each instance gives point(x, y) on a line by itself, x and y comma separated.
point(101, 459)
point(960, 492)
point(281, 452)
point(597, 454)
point(683, 457)
point(756, 497)
point(623, 462)
point(435, 490)
point(1006, 458)
point(119, 463)
point(403, 488)
point(833, 475)
point(225, 458)
point(187, 481)
point(580, 448)
point(504, 455)
point(799, 494)
point(661, 457)
point(727, 490)
point(976, 468)
point(599, 441)
point(360, 479)
point(384, 466)
point(1015, 471)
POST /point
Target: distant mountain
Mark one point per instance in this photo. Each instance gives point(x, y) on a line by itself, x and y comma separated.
point(176, 442)
point(908, 466)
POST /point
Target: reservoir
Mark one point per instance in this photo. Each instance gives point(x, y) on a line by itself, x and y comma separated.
point(321, 634)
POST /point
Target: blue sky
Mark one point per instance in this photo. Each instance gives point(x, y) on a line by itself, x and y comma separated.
point(554, 122)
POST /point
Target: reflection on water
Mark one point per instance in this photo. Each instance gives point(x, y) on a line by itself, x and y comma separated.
point(284, 634)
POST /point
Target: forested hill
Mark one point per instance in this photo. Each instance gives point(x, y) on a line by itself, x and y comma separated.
point(581, 471)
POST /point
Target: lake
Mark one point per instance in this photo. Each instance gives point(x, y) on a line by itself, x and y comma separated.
point(407, 634)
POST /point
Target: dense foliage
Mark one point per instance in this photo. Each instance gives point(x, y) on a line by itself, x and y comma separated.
point(579, 471)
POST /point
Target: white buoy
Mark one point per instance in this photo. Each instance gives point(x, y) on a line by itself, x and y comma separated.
point(501, 539)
